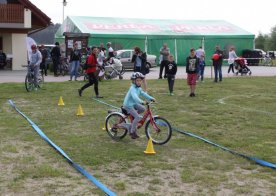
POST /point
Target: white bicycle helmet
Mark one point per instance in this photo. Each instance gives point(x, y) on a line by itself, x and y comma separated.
point(137, 75)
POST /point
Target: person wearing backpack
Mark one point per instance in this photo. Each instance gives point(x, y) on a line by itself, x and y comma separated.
point(92, 73)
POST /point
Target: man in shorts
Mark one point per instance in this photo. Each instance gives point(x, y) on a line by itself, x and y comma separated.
point(192, 63)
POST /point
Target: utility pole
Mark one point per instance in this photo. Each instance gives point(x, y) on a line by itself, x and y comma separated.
point(64, 3)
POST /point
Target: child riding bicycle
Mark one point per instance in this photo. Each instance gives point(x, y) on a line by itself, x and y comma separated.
point(34, 64)
point(133, 104)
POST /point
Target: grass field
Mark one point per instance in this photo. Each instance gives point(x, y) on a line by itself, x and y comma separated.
point(238, 113)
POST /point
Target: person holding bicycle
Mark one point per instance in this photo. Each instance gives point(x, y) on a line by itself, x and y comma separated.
point(133, 104)
point(35, 60)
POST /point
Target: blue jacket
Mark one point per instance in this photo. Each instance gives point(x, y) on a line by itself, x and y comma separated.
point(132, 96)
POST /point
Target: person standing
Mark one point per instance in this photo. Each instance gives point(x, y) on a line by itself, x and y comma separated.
point(43, 65)
point(217, 63)
point(192, 69)
point(35, 60)
point(231, 59)
point(164, 52)
point(101, 55)
point(55, 54)
point(3, 59)
point(171, 69)
point(101, 59)
point(110, 51)
point(139, 59)
point(92, 73)
point(200, 53)
point(75, 58)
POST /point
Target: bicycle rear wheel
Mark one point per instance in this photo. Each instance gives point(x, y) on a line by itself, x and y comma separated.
point(40, 79)
point(270, 62)
point(29, 82)
point(114, 125)
point(123, 70)
point(160, 134)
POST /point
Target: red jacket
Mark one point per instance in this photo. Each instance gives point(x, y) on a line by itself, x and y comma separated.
point(92, 62)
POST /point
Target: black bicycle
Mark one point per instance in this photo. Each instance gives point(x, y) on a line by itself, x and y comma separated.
point(30, 81)
point(64, 67)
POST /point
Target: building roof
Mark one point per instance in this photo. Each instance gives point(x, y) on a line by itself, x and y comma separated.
point(39, 18)
point(105, 26)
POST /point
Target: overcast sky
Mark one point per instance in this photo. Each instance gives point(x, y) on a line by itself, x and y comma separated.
point(252, 16)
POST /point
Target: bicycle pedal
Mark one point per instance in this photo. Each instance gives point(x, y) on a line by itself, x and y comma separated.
point(139, 125)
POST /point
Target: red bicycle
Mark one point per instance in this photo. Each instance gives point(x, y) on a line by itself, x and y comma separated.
point(157, 128)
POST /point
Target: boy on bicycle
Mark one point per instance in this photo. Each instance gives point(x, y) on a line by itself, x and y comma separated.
point(133, 104)
point(34, 65)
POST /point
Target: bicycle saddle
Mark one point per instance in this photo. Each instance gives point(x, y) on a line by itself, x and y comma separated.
point(124, 111)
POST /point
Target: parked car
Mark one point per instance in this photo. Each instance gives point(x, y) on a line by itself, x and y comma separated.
point(271, 54)
point(263, 53)
point(253, 56)
point(126, 55)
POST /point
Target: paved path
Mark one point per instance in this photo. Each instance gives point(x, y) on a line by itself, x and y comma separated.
point(19, 76)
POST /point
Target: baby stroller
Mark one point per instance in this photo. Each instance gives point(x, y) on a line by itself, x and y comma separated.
point(241, 66)
point(113, 68)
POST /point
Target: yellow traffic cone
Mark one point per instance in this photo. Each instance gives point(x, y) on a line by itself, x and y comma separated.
point(60, 101)
point(149, 149)
point(80, 111)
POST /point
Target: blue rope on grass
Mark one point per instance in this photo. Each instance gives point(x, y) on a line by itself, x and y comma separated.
point(259, 161)
point(76, 166)
point(105, 103)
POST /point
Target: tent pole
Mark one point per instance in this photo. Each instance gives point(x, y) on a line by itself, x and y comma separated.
point(175, 50)
point(146, 44)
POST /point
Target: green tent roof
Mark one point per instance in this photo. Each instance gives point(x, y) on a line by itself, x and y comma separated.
point(133, 27)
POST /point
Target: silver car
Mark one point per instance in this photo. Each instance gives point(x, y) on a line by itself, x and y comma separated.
point(125, 57)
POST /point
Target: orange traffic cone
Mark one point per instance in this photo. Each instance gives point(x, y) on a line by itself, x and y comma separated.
point(80, 111)
point(149, 149)
point(60, 101)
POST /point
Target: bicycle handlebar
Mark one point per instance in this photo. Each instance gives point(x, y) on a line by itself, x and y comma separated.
point(149, 102)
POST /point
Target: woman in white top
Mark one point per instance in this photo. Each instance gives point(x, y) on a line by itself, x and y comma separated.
point(231, 59)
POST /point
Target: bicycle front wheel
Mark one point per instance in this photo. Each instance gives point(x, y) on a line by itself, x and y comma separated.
point(159, 131)
point(115, 125)
point(29, 82)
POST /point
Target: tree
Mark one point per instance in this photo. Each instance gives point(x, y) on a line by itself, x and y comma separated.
point(260, 41)
point(272, 39)
point(267, 42)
